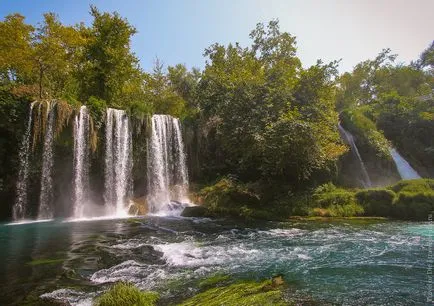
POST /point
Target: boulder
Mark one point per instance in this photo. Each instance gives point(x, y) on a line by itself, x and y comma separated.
point(138, 206)
point(194, 211)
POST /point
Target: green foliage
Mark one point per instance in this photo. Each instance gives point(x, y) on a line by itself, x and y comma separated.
point(376, 202)
point(214, 280)
point(262, 112)
point(110, 64)
point(16, 52)
point(330, 201)
point(124, 294)
point(420, 185)
point(368, 137)
point(244, 293)
point(414, 206)
point(97, 108)
point(400, 103)
point(326, 195)
point(226, 193)
point(345, 210)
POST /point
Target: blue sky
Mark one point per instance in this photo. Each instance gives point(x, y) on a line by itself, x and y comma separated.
point(179, 31)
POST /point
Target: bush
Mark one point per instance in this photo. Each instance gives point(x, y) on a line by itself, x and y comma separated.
point(376, 202)
point(347, 210)
point(125, 294)
point(414, 206)
point(327, 194)
point(228, 193)
point(420, 185)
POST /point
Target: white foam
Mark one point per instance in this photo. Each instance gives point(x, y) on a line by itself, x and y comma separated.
point(28, 222)
point(87, 219)
point(74, 298)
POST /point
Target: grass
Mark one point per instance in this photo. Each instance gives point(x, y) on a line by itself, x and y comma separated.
point(243, 293)
point(125, 294)
point(213, 280)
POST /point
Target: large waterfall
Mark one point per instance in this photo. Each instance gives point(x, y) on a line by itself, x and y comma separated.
point(19, 209)
point(118, 162)
point(167, 171)
point(405, 170)
point(46, 195)
point(350, 139)
point(81, 162)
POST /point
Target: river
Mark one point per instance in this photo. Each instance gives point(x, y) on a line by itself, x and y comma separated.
point(342, 262)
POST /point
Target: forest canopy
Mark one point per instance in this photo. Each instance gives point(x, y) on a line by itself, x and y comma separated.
point(254, 112)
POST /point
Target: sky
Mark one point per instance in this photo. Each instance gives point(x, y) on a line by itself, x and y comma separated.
point(178, 31)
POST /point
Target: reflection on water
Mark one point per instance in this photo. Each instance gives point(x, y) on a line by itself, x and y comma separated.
point(345, 263)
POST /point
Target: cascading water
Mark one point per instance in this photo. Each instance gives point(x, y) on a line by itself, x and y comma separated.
point(20, 206)
point(167, 171)
point(350, 139)
point(45, 197)
point(405, 170)
point(81, 161)
point(118, 162)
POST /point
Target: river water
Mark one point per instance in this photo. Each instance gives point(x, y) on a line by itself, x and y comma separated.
point(343, 263)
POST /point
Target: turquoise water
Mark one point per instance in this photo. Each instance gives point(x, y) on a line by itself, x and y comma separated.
point(343, 263)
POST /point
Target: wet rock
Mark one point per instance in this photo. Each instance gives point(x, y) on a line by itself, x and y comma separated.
point(194, 211)
point(139, 206)
point(277, 280)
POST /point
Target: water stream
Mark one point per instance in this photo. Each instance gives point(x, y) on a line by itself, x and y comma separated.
point(167, 170)
point(405, 170)
point(81, 162)
point(118, 162)
point(350, 140)
point(19, 209)
point(46, 210)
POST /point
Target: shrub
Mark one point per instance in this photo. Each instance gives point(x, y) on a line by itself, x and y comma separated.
point(347, 210)
point(414, 206)
point(420, 185)
point(125, 294)
point(228, 193)
point(376, 202)
point(326, 195)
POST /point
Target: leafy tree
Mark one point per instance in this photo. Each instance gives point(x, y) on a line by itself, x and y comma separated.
point(108, 65)
point(56, 55)
point(15, 50)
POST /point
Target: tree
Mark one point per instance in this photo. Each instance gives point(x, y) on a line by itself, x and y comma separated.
point(15, 50)
point(56, 55)
point(108, 65)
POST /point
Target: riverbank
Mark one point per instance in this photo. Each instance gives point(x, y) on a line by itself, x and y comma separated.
point(405, 200)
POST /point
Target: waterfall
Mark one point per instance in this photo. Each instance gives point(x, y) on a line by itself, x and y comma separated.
point(167, 171)
point(405, 170)
point(81, 161)
point(20, 206)
point(118, 162)
point(350, 139)
point(46, 195)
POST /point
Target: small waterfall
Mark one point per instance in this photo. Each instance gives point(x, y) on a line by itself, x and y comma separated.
point(167, 171)
point(81, 161)
point(405, 170)
point(46, 195)
point(20, 207)
point(118, 162)
point(350, 139)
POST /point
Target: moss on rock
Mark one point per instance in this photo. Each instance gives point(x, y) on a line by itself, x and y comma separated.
point(243, 293)
point(125, 294)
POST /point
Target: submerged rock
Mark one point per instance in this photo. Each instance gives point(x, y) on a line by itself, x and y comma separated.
point(139, 206)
